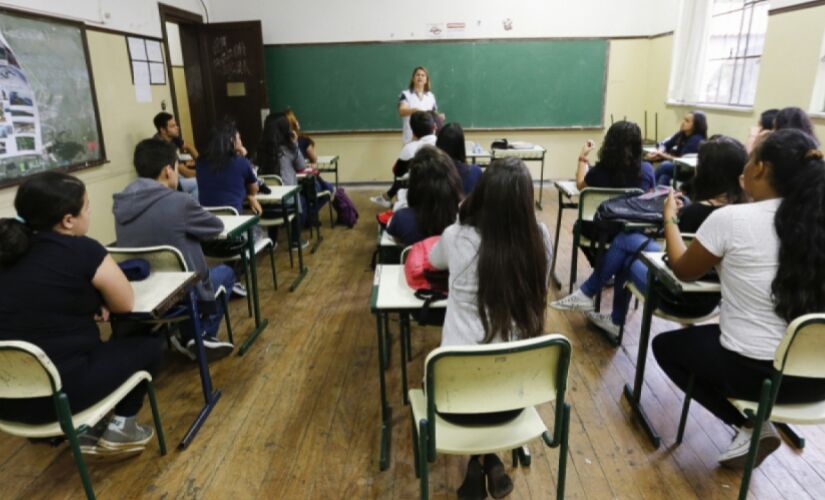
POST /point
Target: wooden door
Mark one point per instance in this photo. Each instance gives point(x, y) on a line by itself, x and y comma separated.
point(233, 57)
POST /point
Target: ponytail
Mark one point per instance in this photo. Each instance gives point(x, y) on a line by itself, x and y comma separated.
point(797, 173)
point(41, 202)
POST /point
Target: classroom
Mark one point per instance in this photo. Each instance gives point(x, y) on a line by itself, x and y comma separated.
point(384, 250)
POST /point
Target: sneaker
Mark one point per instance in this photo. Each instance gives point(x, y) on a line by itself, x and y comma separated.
point(238, 289)
point(603, 321)
point(88, 439)
point(576, 301)
point(304, 244)
point(99, 454)
point(737, 453)
point(215, 349)
point(177, 345)
point(124, 433)
point(380, 200)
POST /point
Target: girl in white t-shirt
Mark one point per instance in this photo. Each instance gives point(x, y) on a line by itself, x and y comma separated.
point(771, 269)
point(416, 97)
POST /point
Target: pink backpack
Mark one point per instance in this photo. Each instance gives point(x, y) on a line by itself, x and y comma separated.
point(420, 273)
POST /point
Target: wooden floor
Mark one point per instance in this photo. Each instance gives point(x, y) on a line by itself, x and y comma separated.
point(299, 415)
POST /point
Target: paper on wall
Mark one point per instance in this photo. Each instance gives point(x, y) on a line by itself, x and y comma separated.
point(20, 129)
point(143, 89)
point(137, 48)
point(153, 52)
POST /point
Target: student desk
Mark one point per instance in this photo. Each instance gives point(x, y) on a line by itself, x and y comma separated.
point(389, 249)
point(536, 153)
point(276, 197)
point(328, 164)
point(154, 296)
point(391, 294)
point(567, 191)
point(658, 271)
point(233, 227)
point(480, 157)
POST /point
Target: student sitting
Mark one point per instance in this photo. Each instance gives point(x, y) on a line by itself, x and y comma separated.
point(620, 161)
point(693, 130)
point(278, 154)
point(169, 131)
point(794, 118)
point(721, 160)
point(762, 128)
point(498, 256)
point(451, 141)
point(433, 197)
point(151, 212)
point(423, 128)
point(225, 176)
point(57, 282)
point(770, 256)
point(305, 143)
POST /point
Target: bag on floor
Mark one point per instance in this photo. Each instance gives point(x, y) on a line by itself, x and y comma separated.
point(430, 284)
point(345, 208)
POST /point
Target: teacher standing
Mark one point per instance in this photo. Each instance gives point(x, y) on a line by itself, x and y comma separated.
point(417, 97)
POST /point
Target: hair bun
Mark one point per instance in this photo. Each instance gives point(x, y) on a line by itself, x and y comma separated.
point(814, 154)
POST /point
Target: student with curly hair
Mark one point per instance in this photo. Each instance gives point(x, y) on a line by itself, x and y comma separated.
point(620, 162)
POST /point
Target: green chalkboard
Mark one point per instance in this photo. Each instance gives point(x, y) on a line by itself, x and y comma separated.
point(480, 84)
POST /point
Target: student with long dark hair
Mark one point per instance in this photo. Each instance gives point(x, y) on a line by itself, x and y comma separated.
point(770, 256)
point(692, 131)
point(433, 197)
point(620, 162)
point(762, 128)
point(225, 176)
point(721, 160)
point(795, 118)
point(57, 282)
point(278, 154)
point(451, 141)
point(498, 256)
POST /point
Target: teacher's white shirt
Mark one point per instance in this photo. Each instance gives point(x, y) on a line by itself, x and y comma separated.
point(424, 103)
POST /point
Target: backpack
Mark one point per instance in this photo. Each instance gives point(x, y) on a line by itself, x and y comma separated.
point(634, 208)
point(430, 284)
point(345, 208)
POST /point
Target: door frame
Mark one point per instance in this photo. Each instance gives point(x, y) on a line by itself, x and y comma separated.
point(178, 16)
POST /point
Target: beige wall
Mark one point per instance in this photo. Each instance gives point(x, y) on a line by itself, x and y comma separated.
point(124, 122)
point(786, 76)
point(184, 117)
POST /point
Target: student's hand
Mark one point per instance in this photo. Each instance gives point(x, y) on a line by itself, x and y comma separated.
point(255, 206)
point(103, 315)
point(671, 207)
point(293, 136)
point(443, 117)
point(587, 148)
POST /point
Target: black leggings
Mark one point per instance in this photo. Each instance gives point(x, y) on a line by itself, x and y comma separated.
point(722, 374)
point(96, 375)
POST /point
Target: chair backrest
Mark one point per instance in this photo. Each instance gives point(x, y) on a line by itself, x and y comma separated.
point(226, 210)
point(272, 180)
point(161, 258)
point(590, 199)
point(802, 351)
point(497, 377)
point(26, 371)
point(404, 252)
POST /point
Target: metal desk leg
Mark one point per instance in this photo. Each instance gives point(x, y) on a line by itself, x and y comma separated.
point(634, 395)
point(541, 185)
point(386, 411)
point(553, 276)
point(256, 302)
point(210, 395)
point(405, 332)
point(791, 433)
point(317, 222)
point(302, 271)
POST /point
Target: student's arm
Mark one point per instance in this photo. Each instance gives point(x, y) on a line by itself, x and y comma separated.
point(583, 165)
point(187, 169)
point(689, 263)
point(311, 155)
point(201, 224)
point(189, 148)
point(299, 164)
point(112, 284)
point(438, 254)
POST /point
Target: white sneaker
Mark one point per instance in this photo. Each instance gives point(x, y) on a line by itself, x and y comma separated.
point(737, 453)
point(603, 321)
point(238, 289)
point(380, 200)
point(178, 346)
point(576, 301)
point(213, 348)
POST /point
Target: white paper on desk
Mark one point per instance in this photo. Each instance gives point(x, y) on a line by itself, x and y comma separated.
point(143, 89)
point(157, 73)
point(137, 48)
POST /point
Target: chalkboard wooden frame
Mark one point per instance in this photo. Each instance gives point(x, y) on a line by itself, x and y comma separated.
point(594, 126)
point(5, 183)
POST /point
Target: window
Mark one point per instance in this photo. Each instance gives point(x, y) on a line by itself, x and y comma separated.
point(737, 37)
point(717, 53)
point(818, 99)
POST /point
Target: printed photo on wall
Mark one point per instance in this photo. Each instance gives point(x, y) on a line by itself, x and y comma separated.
point(18, 106)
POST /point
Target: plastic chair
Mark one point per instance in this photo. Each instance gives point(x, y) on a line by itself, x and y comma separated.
point(27, 372)
point(166, 258)
point(278, 221)
point(491, 378)
point(589, 201)
point(260, 245)
point(800, 354)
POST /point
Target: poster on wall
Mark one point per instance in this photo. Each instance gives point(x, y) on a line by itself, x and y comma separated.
point(19, 121)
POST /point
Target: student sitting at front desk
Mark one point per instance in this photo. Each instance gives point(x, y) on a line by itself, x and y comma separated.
point(620, 162)
point(692, 131)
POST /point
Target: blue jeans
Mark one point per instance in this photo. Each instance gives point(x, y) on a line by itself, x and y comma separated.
point(618, 262)
point(664, 174)
point(220, 275)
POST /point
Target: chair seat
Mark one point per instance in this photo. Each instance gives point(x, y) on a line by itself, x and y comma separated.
point(274, 221)
point(805, 413)
point(455, 439)
point(683, 320)
point(89, 417)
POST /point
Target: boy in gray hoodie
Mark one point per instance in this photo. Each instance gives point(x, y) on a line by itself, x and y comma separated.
point(150, 211)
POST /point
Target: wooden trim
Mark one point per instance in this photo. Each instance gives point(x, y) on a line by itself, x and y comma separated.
point(799, 6)
point(102, 29)
point(169, 13)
